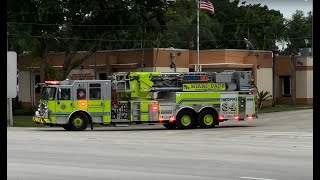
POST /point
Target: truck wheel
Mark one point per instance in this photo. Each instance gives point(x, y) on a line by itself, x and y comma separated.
point(185, 119)
point(170, 125)
point(207, 119)
point(78, 122)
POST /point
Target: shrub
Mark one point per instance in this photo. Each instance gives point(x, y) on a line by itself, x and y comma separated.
point(23, 111)
point(263, 96)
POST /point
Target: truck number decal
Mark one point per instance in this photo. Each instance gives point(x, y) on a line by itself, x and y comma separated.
point(228, 104)
point(229, 107)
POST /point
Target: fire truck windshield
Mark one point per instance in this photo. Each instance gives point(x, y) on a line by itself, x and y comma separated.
point(48, 93)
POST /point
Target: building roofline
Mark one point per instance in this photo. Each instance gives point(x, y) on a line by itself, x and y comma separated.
point(155, 49)
point(117, 50)
point(240, 50)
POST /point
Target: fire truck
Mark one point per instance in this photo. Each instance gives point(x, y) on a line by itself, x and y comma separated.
point(177, 100)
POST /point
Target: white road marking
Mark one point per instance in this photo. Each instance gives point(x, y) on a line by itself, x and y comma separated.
point(253, 178)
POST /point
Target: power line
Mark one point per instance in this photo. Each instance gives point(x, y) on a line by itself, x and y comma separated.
point(104, 10)
point(139, 40)
point(134, 25)
point(66, 12)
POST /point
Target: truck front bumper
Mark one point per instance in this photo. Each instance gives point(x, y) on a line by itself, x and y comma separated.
point(41, 120)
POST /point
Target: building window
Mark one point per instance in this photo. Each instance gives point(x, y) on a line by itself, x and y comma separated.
point(286, 86)
point(37, 80)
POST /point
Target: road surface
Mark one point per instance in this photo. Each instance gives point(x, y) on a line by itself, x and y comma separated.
point(276, 146)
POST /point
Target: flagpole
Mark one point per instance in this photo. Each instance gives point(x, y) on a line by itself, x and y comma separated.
point(198, 59)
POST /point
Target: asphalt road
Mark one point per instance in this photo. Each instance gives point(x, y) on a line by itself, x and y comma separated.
point(276, 146)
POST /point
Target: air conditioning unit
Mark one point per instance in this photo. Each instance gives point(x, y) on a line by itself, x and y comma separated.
point(305, 52)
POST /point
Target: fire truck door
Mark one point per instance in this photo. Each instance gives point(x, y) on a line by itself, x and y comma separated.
point(64, 103)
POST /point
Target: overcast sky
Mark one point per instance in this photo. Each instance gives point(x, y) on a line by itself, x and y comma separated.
point(286, 7)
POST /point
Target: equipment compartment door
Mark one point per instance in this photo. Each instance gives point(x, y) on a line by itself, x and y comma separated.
point(250, 106)
point(229, 105)
point(106, 102)
point(95, 104)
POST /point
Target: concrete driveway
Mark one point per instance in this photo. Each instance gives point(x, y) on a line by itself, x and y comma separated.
point(276, 146)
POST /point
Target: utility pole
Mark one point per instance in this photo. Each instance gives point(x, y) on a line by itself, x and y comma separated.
point(198, 39)
point(293, 78)
point(9, 100)
point(273, 78)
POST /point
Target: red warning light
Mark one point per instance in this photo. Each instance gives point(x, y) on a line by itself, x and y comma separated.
point(52, 82)
point(171, 119)
point(250, 117)
point(236, 117)
point(155, 108)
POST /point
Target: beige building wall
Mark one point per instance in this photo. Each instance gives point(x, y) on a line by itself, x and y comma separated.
point(264, 79)
point(304, 84)
point(304, 61)
point(304, 80)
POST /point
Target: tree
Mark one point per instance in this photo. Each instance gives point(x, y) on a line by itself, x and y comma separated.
point(181, 29)
point(122, 19)
point(298, 33)
point(263, 27)
point(29, 35)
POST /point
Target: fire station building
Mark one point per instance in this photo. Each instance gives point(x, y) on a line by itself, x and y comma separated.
point(293, 75)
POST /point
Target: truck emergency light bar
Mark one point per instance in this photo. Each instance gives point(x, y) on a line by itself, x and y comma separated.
point(52, 82)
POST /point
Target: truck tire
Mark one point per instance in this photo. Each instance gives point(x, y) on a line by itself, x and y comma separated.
point(185, 119)
point(207, 119)
point(78, 122)
point(170, 125)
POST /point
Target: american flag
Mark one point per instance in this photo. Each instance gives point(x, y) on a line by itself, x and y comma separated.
point(206, 5)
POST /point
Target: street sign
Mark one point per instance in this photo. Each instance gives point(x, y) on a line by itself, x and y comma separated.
point(11, 74)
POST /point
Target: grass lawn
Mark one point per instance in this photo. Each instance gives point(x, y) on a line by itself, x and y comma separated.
point(26, 121)
point(279, 108)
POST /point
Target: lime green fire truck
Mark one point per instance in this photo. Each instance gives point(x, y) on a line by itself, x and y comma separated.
point(177, 100)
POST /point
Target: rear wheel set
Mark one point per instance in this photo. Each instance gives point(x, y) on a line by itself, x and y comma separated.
point(186, 119)
point(207, 119)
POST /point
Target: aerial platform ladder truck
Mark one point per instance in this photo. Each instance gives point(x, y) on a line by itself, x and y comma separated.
point(177, 100)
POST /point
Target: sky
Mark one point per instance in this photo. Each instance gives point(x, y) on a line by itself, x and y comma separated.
point(286, 7)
